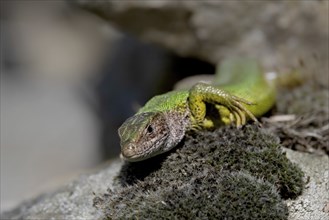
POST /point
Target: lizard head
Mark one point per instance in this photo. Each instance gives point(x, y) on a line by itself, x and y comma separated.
point(143, 135)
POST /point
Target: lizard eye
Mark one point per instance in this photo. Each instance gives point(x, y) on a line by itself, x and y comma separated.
point(149, 129)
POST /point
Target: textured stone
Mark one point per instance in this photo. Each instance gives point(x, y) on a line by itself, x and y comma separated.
point(315, 198)
point(275, 32)
point(75, 200)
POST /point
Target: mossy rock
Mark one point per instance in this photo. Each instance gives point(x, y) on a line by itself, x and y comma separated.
point(225, 174)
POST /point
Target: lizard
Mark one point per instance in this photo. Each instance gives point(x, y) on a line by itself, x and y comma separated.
point(239, 92)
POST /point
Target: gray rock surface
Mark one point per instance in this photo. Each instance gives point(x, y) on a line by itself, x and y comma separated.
point(277, 32)
point(312, 204)
point(75, 200)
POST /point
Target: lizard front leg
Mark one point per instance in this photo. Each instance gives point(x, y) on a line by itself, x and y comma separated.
point(232, 106)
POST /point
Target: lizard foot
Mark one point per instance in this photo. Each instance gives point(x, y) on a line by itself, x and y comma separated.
point(238, 111)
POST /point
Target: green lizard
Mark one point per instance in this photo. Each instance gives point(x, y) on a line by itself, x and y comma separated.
point(238, 93)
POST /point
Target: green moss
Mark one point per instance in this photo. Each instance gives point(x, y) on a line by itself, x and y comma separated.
point(228, 173)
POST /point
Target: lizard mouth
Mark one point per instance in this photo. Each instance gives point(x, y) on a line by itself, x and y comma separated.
point(128, 152)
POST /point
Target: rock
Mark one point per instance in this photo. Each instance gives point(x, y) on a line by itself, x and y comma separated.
point(75, 201)
point(227, 173)
point(275, 32)
point(315, 198)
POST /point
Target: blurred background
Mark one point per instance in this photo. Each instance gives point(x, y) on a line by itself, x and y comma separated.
point(68, 80)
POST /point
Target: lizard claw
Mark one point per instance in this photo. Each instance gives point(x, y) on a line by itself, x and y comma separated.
point(239, 111)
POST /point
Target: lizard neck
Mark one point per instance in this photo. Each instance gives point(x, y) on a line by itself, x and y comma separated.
point(178, 122)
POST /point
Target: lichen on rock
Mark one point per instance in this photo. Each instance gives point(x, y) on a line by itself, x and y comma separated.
point(229, 173)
